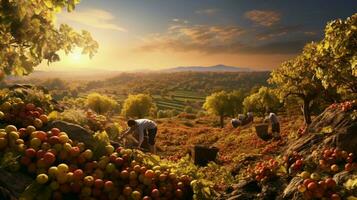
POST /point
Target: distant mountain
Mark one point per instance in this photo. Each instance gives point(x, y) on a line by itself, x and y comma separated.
point(215, 68)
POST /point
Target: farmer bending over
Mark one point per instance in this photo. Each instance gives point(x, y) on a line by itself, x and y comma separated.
point(275, 125)
point(143, 127)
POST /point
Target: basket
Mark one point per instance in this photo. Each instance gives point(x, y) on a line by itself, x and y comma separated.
point(202, 155)
point(262, 131)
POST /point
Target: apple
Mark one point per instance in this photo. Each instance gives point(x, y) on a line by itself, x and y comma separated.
point(10, 128)
point(110, 168)
point(40, 153)
point(88, 180)
point(109, 149)
point(88, 154)
point(30, 106)
point(127, 191)
point(179, 193)
point(315, 176)
point(63, 138)
point(49, 158)
point(155, 193)
point(74, 151)
point(348, 167)
point(62, 168)
point(54, 140)
point(136, 195)
point(53, 171)
point(119, 161)
point(35, 143)
point(108, 186)
point(133, 175)
point(2, 115)
point(146, 198)
point(43, 118)
point(13, 136)
point(334, 168)
point(55, 131)
point(330, 183)
point(335, 197)
point(124, 174)
point(37, 123)
point(98, 183)
point(45, 146)
point(3, 134)
point(42, 178)
point(149, 173)
point(312, 186)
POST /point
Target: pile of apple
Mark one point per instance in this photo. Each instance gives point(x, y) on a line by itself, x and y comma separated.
point(345, 106)
point(16, 111)
point(314, 187)
point(331, 161)
point(68, 168)
point(334, 160)
point(294, 162)
point(95, 122)
point(265, 170)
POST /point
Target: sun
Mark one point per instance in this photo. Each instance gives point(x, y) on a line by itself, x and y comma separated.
point(76, 56)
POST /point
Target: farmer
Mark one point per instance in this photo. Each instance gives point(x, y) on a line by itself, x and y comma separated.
point(275, 125)
point(143, 127)
point(239, 121)
point(249, 117)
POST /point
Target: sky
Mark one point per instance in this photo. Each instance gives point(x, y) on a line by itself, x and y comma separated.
point(158, 34)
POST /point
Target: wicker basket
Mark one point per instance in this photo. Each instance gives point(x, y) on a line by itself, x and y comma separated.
point(262, 131)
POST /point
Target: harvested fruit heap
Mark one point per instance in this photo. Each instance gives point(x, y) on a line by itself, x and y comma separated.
point(17, 112)
point(67, 169)
point(317, 173)
point(318, 179)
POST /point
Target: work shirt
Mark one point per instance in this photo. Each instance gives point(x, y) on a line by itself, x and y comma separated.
point(141, 126)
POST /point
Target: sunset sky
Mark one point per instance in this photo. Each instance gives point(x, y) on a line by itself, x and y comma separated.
point(157, 34)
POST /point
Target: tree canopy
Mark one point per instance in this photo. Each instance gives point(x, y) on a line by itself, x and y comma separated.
point(262, 101)
point(100, 103)
point(335, 62)
point(29, 35)
point(137, 106)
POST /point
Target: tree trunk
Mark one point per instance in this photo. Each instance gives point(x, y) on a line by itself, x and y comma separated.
point(306, 111)
point(222, 121)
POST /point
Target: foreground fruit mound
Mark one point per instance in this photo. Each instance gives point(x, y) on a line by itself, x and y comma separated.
point(66, 169)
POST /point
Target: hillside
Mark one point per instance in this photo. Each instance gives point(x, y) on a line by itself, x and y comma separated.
point(215, 68)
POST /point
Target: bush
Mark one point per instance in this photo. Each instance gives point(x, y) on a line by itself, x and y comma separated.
point(101, 104)
point(137, 106)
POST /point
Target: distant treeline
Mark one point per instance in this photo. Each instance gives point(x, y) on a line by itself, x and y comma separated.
point(200, 82)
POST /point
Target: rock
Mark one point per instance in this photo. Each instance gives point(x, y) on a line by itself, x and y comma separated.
point(75, 132)
point(343, 133)
point(291, 189)
point(342, 177)
point(13, 184)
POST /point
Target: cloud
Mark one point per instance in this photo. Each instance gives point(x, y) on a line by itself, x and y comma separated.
point(277, 31)
point(208, 11)
point(207, 39)
point(263, 17)
point(96, 18)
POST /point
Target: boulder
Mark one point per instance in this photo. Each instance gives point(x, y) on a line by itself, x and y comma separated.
point(75, 132)
point(334, 128)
